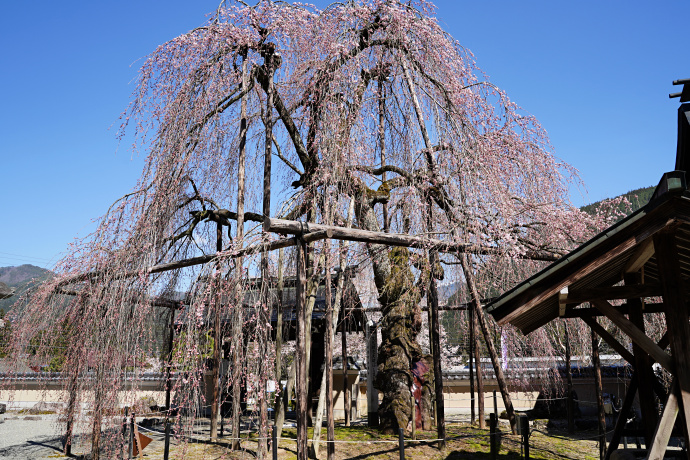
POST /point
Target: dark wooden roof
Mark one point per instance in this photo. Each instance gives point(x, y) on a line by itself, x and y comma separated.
point(594, 269)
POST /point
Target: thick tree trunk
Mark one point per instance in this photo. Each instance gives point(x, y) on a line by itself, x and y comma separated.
point(399, 350)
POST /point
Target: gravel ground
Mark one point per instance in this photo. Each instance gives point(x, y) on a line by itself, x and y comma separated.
point(29, 436)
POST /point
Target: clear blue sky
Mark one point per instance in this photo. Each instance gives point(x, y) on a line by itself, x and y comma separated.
point(596, 74)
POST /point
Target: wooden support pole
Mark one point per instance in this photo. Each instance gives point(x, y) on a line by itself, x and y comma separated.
point(470, 359)
point(479, 374)
point(635, 334)
point(500, 377)
point(596, 363)
point(436, 340)
point(664, 428)
point(609, 339)
point(301, 352)
point(328, 366)
point(643, 365)
point(372, 363)
point(622, 419)
point(169, 360)
point(237, 317)
point(346, 385)
point(217, 339)
point(569, 380)
point(677, 319)
point(293, 227)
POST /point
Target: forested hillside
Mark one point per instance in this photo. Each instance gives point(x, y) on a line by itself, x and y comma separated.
point(22, 278)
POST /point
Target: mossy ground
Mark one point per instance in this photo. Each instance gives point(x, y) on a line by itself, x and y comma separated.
point(361, 442)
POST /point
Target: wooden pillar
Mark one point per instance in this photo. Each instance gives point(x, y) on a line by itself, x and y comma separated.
point(217, 339)
point(436, 340)
point(643, 365)
point(622, 419)
point(301, 351)
point(478, 369)
point(676, 312)
point(237, 314)
point(662, 434)
point(596, 364)
point(328, 366)
point(372, 367)
point(168, 367)
point(470, 360)
point(569, 379)
point(346, 385)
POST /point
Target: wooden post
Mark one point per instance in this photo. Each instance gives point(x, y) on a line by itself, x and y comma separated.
point(346, 385)
point(622, 419)
point(300, 352)
point(478, 369)
point(413, 403)
point(328, 366)
point(643, 365)
point(676, 312)
point(71, 409)
point(470, 360)
point(492, 436)
point(166, 448)
point(662, 434)
point(217, 338)
point(569, 379)
point(436, 336)
point(401, 443)
point(500, 377)
point(372, 363)
point(600, 397)
point(237, 317)
point(524, 432)
point(168, 367)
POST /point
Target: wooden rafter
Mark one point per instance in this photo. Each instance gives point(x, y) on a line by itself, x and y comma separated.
point(635, 334)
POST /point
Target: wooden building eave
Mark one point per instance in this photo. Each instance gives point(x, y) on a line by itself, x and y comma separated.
point(598, 265)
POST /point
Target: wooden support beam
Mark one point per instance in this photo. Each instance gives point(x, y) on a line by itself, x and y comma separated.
point(293, 227)
point(624, 309)
point(634, 291)
point(608, 338)
point(160, 268)
point(643, 365)
point(562, 301)
point(640, 257)
point(662, 434)
point(635, 334)
point(622, 419)
point(677, 319)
